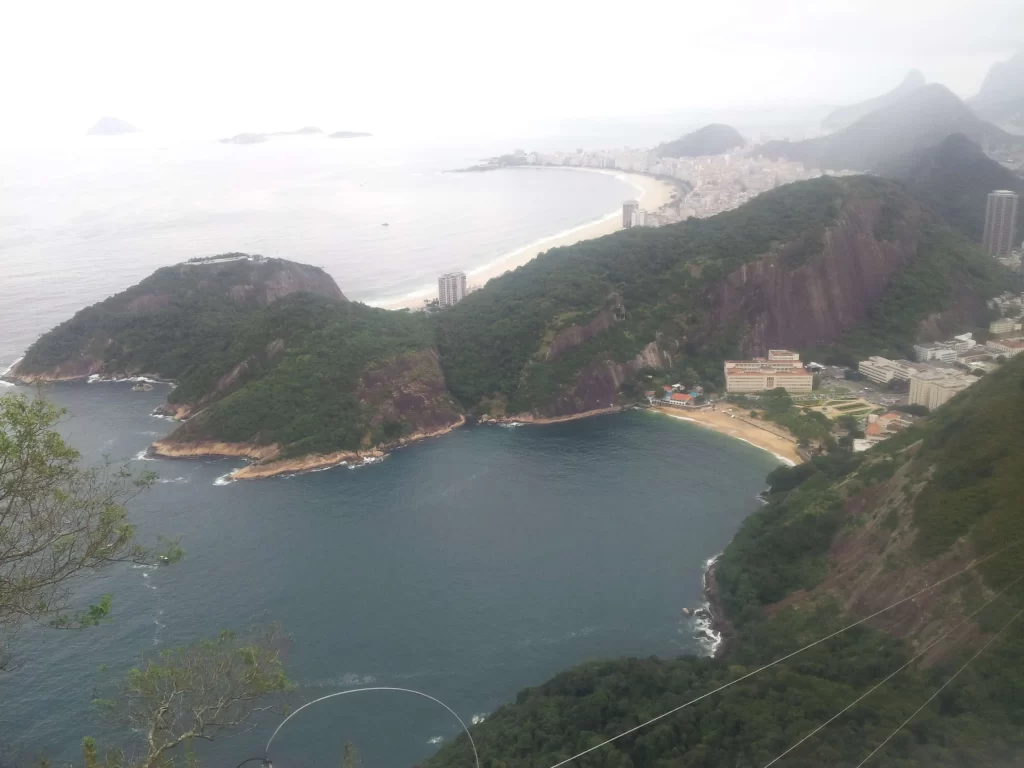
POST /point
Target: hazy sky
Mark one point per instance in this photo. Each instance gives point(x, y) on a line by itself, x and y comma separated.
point(223, 67)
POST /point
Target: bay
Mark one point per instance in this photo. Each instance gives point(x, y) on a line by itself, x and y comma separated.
point(466, 567)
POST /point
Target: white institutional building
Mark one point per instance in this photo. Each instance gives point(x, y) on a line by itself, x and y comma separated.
point(782, 368)
point(451, 288)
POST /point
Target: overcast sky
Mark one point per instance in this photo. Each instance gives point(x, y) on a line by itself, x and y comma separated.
point(484, 65)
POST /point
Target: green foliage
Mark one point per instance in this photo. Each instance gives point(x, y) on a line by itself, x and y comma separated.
point(947, 267)
point(57, 520)
point(285, 373)
point(494, 342)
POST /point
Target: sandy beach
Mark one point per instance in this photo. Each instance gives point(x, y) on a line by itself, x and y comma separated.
point(723, 421)
point(652, 194)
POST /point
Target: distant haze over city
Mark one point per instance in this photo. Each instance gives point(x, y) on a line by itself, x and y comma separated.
point(410, 68)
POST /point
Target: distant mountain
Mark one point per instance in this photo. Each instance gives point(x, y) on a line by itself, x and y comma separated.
point(916, 121)
point(349, 134)
point(713, 139)
point(954, 179)
point(309, 130)
point(111, 126)
point(1001, 98)
point(846, 116)
point(246, 138)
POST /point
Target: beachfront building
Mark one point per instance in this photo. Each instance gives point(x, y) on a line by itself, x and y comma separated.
point(451, 288)
point(938, 386)
point(629, 209)
point(781, 368)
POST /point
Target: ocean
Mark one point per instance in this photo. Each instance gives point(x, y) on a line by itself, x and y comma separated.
point(83, 220)
point(466, 567)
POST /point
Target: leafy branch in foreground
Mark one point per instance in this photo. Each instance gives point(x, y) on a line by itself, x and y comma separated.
point(180, 696)
point(57, 519)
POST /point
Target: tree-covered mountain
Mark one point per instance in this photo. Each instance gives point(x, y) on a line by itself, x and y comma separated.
point(954, 178)
point(271, 361)
point(917, 120)
point(713, 139)
point(1001, 98)
point(840, 539)
point(848, 115)
point(853, 260)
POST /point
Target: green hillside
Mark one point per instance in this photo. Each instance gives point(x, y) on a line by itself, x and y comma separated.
point(954, 179)
point(670, 285)
point(960, 476)
point(713, 139)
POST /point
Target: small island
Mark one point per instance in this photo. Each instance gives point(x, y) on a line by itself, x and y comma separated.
point(111, 126)
point(349, 134)
point(246, 138)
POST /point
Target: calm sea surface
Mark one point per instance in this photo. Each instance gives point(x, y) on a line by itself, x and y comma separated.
point(467, 567)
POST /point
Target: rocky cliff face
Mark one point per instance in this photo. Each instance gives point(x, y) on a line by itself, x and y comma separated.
point(598, 386)
point(777, 301)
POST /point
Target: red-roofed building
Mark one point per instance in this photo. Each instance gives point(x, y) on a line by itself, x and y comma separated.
point(681, 397)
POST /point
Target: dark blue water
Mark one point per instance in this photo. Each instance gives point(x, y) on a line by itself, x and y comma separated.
point(467, 567)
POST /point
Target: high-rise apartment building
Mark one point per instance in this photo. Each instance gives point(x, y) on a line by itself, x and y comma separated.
point(629, 209)
point(1000, 223)
point(451, 288)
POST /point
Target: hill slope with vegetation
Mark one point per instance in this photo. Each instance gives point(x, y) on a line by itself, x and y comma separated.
point(839, 539)
point(920, 119)
point(713, 139)
point(270, 359)
point(803, 266)
point(954, 179)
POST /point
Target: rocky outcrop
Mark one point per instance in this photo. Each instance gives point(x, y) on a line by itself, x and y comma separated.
point(575, 335)
point(408, 391)
point(597, 387)
point(776, 301)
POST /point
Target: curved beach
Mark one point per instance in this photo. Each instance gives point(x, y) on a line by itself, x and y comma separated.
point(652, 194)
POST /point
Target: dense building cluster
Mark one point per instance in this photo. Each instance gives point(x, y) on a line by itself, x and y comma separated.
point(717, 182)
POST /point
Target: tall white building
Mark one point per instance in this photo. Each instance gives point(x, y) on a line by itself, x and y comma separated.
point(1000, 223)
point(629, 209)
point(451, 288)
point(934, 388)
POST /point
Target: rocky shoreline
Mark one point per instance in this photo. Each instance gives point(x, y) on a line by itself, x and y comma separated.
point(265, 461)
point(717, 625)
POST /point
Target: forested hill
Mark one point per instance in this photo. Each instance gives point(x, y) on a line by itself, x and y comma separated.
point(713, 139)
point(954, 179)
point(919, 119)
point(852, 260)
point(270, 359)
point(840, 538)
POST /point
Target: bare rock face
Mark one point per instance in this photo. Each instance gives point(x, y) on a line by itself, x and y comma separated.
point(780, 302)
point(409, 390)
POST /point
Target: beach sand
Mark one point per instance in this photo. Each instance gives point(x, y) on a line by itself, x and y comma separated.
point(652, 194)
point(722, 421)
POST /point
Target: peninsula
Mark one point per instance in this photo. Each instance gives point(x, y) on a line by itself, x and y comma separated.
point(274, 364)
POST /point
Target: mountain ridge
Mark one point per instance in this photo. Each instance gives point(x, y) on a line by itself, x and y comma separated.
point(843, 117)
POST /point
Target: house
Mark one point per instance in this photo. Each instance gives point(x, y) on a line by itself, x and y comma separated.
point(682, 398)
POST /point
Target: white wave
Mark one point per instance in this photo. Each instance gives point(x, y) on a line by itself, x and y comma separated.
point(11, 366)
point(511, 424)
point(143, 455)
point(225, 479)
point(163, 416)
point(179, 480)
point(435, 739)
point(706, 636)
point(7, 383)
point(143, 565)
point(98, 378)
point(477, 719)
